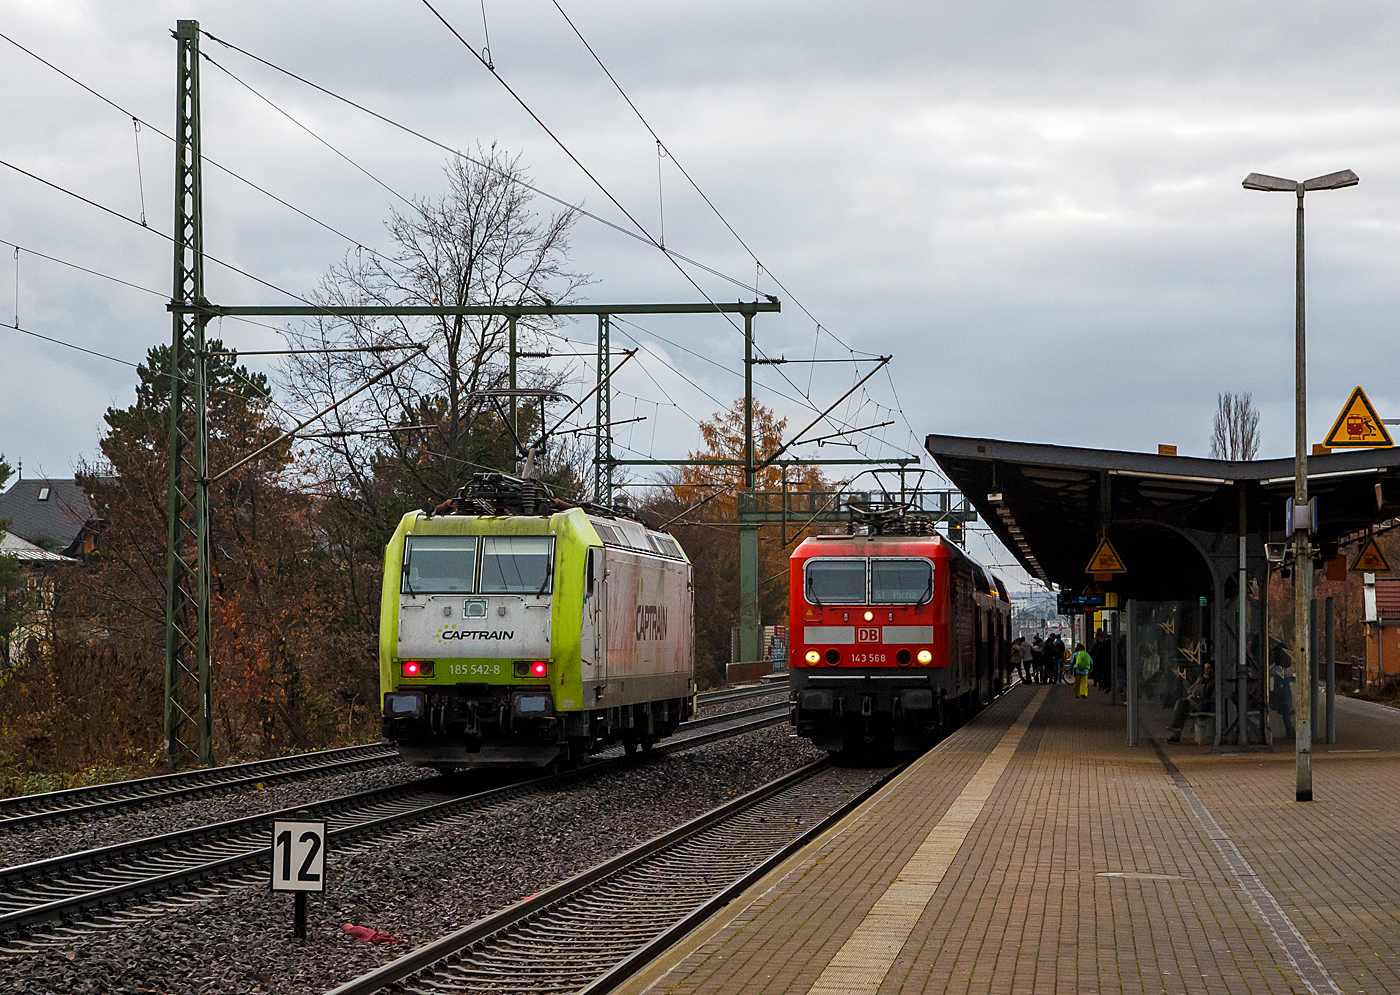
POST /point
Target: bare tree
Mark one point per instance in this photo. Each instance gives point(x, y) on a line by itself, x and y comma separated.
point(481, 243)
point(1236, 432)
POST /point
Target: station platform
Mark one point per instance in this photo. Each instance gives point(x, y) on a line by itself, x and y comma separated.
point(1033, 851)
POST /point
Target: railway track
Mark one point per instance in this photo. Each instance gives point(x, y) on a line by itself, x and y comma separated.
point(739, 694)
point(593, 931)
point(26, 812)
point(113, 885)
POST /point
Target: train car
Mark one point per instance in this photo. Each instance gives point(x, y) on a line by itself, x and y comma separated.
point(895, 640)
point(532, 635)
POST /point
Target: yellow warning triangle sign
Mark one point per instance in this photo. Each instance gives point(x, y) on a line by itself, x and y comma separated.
point(1105, 560)
point(1358, 426)
point(1371, 560)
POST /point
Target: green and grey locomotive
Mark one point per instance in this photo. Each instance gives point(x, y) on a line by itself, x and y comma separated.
point(518, 630)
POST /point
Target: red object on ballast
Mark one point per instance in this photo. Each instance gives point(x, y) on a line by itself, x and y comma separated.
point(369, 934)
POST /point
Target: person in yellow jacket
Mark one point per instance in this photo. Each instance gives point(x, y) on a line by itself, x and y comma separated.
point(1083, 663)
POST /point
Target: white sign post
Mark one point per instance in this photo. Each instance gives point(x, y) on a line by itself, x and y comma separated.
point(299, 864)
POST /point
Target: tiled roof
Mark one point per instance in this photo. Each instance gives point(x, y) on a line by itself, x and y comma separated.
point(56, 520)
point(13, 545)
point(1388, 597)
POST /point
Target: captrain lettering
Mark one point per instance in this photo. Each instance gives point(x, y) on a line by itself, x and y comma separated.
point(651, 622)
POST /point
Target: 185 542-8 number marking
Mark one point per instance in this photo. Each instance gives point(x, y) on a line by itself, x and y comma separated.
point(475, 669)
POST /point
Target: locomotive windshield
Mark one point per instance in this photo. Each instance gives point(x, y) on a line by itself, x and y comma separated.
point(439, 565)
point(836, 582)
point(900, 582)
point(516, 564)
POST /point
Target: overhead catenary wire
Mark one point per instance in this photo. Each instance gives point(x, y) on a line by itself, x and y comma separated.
point(126, 362)
point(644, 234)
point(130, 220)
point(662, 148)
point(600, 185)
point(451, 150)
point(116, 279)
point(137, 123)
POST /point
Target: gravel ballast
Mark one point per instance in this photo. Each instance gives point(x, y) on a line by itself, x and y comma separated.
point(52, 839)
point(417, 889)
point(23, 846)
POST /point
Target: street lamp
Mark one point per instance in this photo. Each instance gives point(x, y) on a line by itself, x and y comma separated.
point(1302, 517)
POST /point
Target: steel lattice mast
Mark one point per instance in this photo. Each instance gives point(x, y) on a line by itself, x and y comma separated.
point(188, 726)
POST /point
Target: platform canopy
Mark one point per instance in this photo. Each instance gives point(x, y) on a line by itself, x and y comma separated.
point(1050, 505)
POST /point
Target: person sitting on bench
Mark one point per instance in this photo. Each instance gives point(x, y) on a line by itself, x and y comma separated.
point(1200, 698)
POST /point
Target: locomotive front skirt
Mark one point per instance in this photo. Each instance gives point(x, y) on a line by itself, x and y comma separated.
point(529, 640)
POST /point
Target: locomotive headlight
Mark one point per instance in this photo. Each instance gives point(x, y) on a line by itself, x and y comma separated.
point(925, 656)
point(418, 668)
point(539, 669)
point(813, 656)
point(869, 616)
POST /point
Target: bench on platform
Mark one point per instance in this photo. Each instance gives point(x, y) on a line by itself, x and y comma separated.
point(1203, 727)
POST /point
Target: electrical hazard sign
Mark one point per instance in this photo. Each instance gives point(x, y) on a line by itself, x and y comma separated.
point(1371, 560)
point(1358, 426)
point(1105, 560)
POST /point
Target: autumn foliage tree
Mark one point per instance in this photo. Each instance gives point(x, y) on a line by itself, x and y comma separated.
point(281, 676)
point(704, 503)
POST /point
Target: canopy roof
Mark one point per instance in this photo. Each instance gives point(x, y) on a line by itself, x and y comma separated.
point(1049, 505)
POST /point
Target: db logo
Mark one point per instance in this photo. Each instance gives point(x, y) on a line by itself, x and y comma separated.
point(867, 635)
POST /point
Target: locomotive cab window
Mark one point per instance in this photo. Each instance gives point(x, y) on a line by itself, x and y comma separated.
point(835, 582)
point(517, 564)
point(901, 582)
point(439, 565)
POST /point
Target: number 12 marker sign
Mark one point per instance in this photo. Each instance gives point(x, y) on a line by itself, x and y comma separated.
point(298, 856)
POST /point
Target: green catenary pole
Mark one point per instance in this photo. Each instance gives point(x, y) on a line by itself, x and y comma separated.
point(750, 615)
point(188, 729)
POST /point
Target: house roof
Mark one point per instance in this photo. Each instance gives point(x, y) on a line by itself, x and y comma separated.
point(1388, 597)
point(27, 552)
point(47, 512)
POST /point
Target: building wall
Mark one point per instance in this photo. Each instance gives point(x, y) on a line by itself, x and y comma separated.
point(1383, 648)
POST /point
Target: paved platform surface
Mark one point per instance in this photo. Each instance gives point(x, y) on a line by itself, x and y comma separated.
point(1033, 851)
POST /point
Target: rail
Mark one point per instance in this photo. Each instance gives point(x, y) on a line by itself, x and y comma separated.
point(73, 886)
point(654, 895)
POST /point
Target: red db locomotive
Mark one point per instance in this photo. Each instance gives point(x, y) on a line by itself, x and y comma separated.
point(895, 640)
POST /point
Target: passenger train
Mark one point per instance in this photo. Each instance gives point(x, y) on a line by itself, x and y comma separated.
point(895, 640)
point(519, 630)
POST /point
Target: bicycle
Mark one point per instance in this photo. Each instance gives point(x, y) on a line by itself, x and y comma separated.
point(1067, 674)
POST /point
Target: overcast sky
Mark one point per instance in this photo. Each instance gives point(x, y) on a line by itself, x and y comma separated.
point(1036, 208)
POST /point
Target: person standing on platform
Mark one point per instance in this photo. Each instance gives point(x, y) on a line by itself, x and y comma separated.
point(1100, 653)
point(1037, 659)
point(1053, 659)
point(1083, 663)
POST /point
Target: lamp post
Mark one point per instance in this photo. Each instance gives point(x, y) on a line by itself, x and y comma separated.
point(1302, 517)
